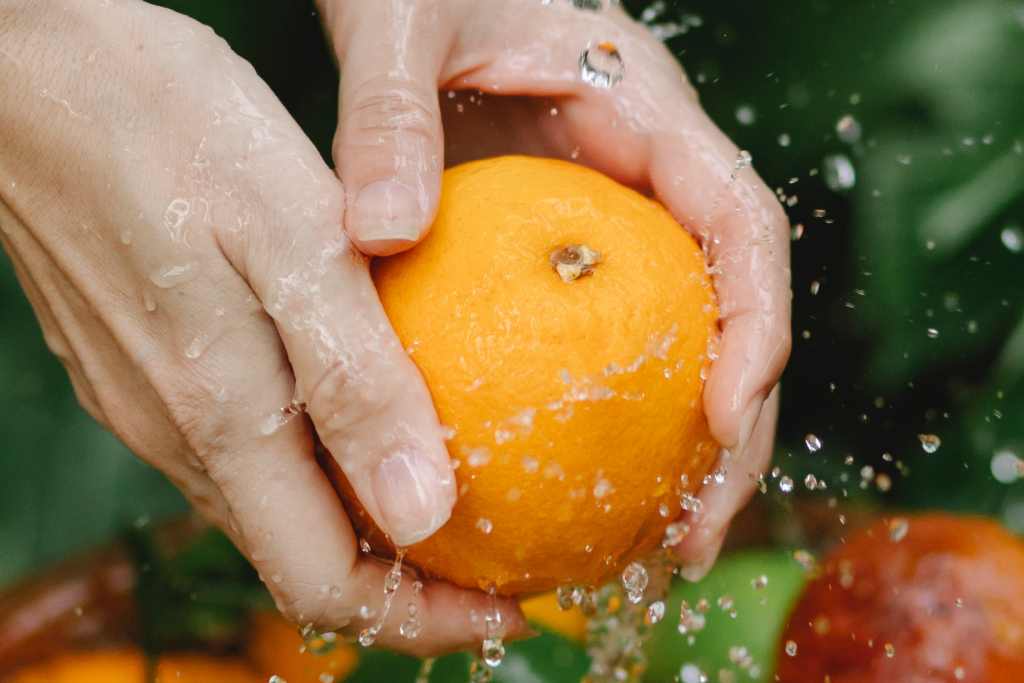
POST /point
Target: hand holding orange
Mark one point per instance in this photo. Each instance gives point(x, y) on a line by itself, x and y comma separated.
point(565, 325)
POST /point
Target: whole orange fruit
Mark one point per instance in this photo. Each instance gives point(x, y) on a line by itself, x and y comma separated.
point(564, 325)
point(933, 598)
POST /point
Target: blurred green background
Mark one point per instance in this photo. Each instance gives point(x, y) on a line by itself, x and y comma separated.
point(894, 132)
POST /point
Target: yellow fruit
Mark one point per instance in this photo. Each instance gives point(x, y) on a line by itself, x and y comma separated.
point(128, 666)
point(542, 610)
point(574, 404)
point(277, 649)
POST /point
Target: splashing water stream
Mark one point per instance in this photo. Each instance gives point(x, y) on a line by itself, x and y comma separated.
point(391, 583)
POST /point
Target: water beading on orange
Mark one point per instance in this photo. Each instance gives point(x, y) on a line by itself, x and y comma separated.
point(564, 325)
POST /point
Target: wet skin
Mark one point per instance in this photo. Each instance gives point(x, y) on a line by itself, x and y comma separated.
point(199, 269)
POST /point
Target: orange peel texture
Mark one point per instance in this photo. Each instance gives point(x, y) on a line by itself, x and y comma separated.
point(572, 394)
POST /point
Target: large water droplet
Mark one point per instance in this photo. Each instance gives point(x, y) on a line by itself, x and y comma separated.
point(1012, 238)
point(601, 65)
point(634, 580)
point(839, 172)
point(197, 346)
point(813, 443)
point(929, 442)
point(174, 274)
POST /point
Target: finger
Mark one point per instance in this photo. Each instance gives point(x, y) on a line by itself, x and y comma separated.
point(701, 177)
point(709, 526)
point(389, 147)
point(367, 400)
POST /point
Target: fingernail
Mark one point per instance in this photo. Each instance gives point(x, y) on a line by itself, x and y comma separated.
point(386, 210)
point(747, 424)
point(414, 499)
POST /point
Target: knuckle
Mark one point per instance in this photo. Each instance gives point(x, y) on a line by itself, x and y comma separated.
point(352, 393)
point(384, 107)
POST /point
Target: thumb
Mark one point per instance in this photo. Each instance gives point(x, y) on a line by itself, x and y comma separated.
point(389, 147)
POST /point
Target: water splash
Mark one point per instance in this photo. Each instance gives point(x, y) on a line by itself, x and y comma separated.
point(601, 65)
point(392, 581)
point(634, 580)
point(493, 650)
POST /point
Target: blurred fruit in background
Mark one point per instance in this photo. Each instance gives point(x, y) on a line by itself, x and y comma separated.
point(928, 597)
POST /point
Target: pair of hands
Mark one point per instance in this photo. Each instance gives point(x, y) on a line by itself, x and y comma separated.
point(197, 267)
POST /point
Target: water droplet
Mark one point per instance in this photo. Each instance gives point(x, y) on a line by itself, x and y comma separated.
point(786, 485)
point(634, 580)
point(412, 627)
point(174, 274)
point(392, 581)
point(804, 559)
point(691, 503)
point(321, 643)
point(811, 482)
point(839, 172)
point(813, 443)
point(815, 287)
point(746, 115)
point(784, 140)
point(148, 299)
point(601, 65)
point(197, 346)
point(791, 648)
point(932, 332)
point(929, 442)
point(690, 620)
point(898, 528)
point(271, 423)
point(691, 673)
point(483, 524)
point(760, 582)
point(586, 4)
point(656, 612)
point(126, 236)
point(725, 602)
point(493, 651)
point(564, 596)
point(848, 129)
point(1012, 238)
point(890, 651)
point(674, 534)
point(602, 488)
point(364, 545)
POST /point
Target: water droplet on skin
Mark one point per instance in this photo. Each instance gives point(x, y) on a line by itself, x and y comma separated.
point(890, 651)
point(126, 236)
point(276, 578)
point(174, 274)
point(839, 172)
point(392, 581)
point(691, 503)
point(898, 528)
point(586, 4)
point(484, 525)
point(320, 643)
point(364, 545)
point(634, 580)
point(674, 534)
point(601, 65)
point(791, 648)
point(494, 630)
point(197, 346)
point(277, 419)
point(929, 442)
point(786, 485)
point(148, 300)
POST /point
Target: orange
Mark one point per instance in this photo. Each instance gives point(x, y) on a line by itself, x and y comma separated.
point(128, 666)
point(944, 603)
point(543, 611)
point(277, 649)
point(574, 405)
